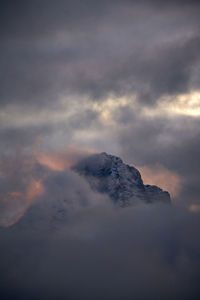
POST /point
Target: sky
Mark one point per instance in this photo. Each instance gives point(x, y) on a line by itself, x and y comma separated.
point(122, 77)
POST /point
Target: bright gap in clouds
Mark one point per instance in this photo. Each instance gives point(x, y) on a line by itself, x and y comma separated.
point(68, 109)
point(182, 104)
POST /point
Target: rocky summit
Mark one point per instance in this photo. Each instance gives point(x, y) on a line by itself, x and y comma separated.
point(121, 182)
point(64, 191)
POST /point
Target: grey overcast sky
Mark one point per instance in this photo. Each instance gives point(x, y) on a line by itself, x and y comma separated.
point(117, 76)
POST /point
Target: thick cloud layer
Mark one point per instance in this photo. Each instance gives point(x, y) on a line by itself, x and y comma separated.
point(97, 48)
point(75, 243)
point(115, 76)
point(97, 251)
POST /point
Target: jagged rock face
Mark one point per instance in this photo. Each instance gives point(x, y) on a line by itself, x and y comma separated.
point(106, 174)
point(123, 183)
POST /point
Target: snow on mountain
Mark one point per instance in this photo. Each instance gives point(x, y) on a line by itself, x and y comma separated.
point(108, 177)
point(123, 183)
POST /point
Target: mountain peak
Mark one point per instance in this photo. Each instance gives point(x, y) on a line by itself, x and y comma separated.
point(123, 183)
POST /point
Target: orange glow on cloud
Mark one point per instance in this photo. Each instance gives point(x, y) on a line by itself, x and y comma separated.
point(13, 208)
point(162, 177)
point(16, 194)
point(15, 203)
point(61, 159)
point(195, 208)
point(35, 189)
point(54, 160)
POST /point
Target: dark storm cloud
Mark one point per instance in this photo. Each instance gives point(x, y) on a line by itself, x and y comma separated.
point(74, 243)
point(170, 141)
point(168, 71)
point(45, 17)
point(96, 48)
point(98, 251)
point(83, 51)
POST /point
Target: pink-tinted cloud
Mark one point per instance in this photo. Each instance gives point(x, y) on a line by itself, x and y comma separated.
point(159, 175)
point(24, 184)
point(195, 208)
point(61, 159)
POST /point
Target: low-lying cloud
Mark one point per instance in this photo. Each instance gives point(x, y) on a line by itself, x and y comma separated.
point(100, 252)
point(75, 243)
point(115, 76)
point(23, 175)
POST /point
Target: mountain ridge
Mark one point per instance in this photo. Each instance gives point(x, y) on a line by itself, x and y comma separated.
point(93, 176)
point(123, 183)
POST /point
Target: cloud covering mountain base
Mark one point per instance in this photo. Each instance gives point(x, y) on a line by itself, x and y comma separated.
point(118, 76)
point(100, 252)
point(74, 243)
